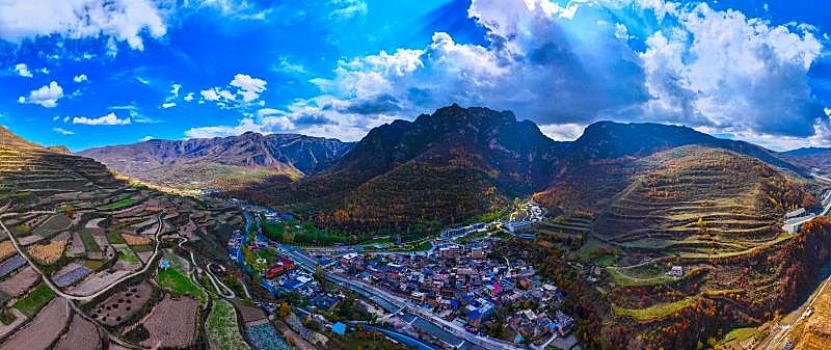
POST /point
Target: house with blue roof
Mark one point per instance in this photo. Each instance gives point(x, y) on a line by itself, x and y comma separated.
point(339, 328)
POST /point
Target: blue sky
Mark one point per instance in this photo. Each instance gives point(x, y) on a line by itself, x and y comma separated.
point(83, 73)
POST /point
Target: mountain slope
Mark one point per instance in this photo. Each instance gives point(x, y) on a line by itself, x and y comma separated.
point(28, 165)
point(811, 158)
point(458, 163)
point(446, 166)
point(221, 161)
point(603, 161)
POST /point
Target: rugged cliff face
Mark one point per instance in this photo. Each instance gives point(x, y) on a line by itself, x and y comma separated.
point(448, 166)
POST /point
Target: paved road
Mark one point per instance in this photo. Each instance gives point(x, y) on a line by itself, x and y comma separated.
point(776, 340)
point(220, 287)
point(458, 331)
point(485, 342)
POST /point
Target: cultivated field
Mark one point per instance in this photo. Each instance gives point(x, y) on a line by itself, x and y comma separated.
point(172, 323)
point(123, 305)
point(81, 335)
point(223, 329)
point(44, 329)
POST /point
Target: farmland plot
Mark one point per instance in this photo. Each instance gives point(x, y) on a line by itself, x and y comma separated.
point(19, 319)
point(76, 247)
point(47, 253)
point(82, 335)
point(44, 329)
point(223, 328)
point(122, 305)
point(21, 282)
point(6, 250)
point(11, 264)
point(172, 323)
point(53, 225)
point(70, 275)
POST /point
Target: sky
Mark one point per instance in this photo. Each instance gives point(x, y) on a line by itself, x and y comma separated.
point(87, 73)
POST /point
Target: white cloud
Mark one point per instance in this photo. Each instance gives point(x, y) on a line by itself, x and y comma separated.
point(63, 131)
point(236, 9)
point(687, 64)
point(245, 125)
point(621, 32)
point(46, 96)
point(80, 78)
point(122, 20)
point(242, 92)
point(109, 119)
point(210, 94)
point(142, 80)
point(146, 138)
point(283, 65)
point(188, 97)
point(563, 132)
point(347, 9)
point(249, 88)
point(23, 70)
point(167, 105)
point(721, 69)
point(174, 90)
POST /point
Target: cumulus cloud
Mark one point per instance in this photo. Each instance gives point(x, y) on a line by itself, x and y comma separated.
point(567, 66)
point(167, 105)
point(46, 96)
point(122, 20)
point(109, 119)
point(249, 88)
point(174, 90)
point(80, 78)
point(563, 132)
point(242, 92)
point(23, 70)
point(189, 97)
point(721, 69)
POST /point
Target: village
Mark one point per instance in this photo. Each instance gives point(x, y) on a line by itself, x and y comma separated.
point(458, 280)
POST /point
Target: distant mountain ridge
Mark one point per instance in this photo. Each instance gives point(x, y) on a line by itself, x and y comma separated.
point(290, 156)
point(813, 159)
point(807, 151)
point(610, 140)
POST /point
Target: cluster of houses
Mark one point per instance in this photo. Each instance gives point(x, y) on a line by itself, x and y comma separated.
point(465, 285)
point(281, 275)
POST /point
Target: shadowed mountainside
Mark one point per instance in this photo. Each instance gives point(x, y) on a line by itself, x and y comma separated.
point(459, 163)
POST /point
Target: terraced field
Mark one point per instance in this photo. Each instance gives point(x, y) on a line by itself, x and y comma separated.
point(698, 203)
point(88, 262)
point(714, 216)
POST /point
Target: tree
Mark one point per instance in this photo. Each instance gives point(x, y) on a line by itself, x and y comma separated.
point(284, 310)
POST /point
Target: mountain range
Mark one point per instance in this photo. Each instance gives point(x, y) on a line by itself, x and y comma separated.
point(462, 162)
point(817, 159)
point(449, 166)
point(222, 162)
point(638, 195)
